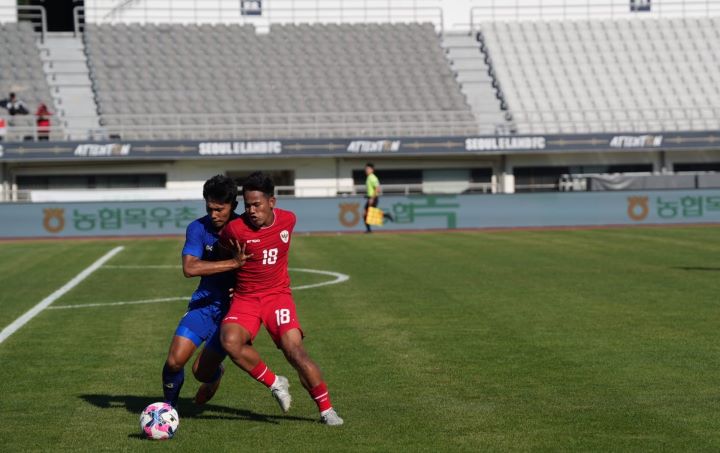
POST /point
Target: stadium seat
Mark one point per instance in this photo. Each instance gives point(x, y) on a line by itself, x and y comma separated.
point(294, 69)
point(21, 72)
point(609, 66)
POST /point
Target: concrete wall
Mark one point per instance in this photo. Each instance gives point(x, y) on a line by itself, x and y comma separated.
point(8, 11)
point(317, 177)
point(579, 159)
point(588, 9)
point(313, 177)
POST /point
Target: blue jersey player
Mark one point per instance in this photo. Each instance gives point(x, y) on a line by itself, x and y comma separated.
point(202, 257)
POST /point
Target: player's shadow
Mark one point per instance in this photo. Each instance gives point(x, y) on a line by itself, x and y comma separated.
point(134, 404)
point(698, 268)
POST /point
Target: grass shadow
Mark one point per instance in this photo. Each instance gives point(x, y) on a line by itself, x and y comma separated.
point(187, 409)
point(698, 268)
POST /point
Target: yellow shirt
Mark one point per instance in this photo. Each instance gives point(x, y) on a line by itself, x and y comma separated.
point(371, 183)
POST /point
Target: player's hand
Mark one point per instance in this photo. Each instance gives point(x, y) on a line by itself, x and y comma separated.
point(239, 254)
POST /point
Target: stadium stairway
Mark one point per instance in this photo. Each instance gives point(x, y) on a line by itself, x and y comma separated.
point(66, 69)
point(467, 62)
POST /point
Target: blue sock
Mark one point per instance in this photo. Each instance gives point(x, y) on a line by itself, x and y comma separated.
point(172, 383)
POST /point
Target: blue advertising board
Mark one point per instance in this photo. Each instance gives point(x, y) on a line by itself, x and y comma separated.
point(151, 218)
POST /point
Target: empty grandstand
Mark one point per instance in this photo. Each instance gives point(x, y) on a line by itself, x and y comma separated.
point(608, 75)
point(194, 81)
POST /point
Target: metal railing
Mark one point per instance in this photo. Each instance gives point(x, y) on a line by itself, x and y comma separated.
point(287, 125)
point(388, 189)
point(261, 126)
point(427, 188)
point(257, 126)
point(617, 120)
point(33, 14)
point(20, 128)
point(553, 10)
point(229, 12)
point(78, 20)
point(13, 194)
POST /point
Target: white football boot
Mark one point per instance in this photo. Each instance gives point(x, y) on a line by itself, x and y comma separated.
point(281, 392)
point(330, 418)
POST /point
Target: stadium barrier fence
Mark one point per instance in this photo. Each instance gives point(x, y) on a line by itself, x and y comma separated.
point(230, 12)
point(373, 124)
point(344, 214)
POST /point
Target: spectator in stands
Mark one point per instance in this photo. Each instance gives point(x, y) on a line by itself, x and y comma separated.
point(14, 105)
point(43, 122)
point(3, 129)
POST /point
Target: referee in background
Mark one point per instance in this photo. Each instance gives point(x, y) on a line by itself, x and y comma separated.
point(373, 191)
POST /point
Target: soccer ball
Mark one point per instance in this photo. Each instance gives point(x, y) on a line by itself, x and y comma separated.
point(159, 421)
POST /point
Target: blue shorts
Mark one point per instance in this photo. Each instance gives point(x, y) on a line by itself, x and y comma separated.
point(202, 324)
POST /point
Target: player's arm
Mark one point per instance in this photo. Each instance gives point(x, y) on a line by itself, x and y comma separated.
point(196, 267)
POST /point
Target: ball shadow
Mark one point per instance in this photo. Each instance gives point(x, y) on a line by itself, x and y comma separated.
point(698, 268)
point(187, 409)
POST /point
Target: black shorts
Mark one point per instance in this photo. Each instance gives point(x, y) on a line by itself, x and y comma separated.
point(373, 204)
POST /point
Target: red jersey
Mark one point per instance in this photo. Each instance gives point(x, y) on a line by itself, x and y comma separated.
point(267, 268)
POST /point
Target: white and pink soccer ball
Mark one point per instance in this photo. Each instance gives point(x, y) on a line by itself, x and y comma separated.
point(159, 421)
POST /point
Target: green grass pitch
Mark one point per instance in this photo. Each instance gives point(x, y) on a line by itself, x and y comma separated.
point(578, 340)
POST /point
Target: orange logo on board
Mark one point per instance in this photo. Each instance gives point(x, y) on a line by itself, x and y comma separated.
point(638, 208)
point(349, 215)
point(54, 220)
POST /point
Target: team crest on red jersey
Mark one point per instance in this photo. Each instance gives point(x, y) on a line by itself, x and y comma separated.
point(285, 236)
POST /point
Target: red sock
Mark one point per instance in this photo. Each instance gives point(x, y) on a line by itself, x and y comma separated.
point(263, 374)
point(321, 396)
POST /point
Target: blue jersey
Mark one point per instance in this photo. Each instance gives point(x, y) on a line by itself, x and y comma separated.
point(201, 241)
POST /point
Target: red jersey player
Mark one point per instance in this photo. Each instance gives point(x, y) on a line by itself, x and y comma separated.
point(262, 296)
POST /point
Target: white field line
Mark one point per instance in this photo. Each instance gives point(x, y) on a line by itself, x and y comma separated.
point(130, 302)
point(339, 278)
point(148, 266)
point(43, 304)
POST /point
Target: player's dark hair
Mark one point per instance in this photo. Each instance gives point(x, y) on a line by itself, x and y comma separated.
point(370, 164)
point(259, 181)
point(221, 189)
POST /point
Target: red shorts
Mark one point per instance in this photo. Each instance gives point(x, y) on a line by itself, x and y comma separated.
point(275, 310)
